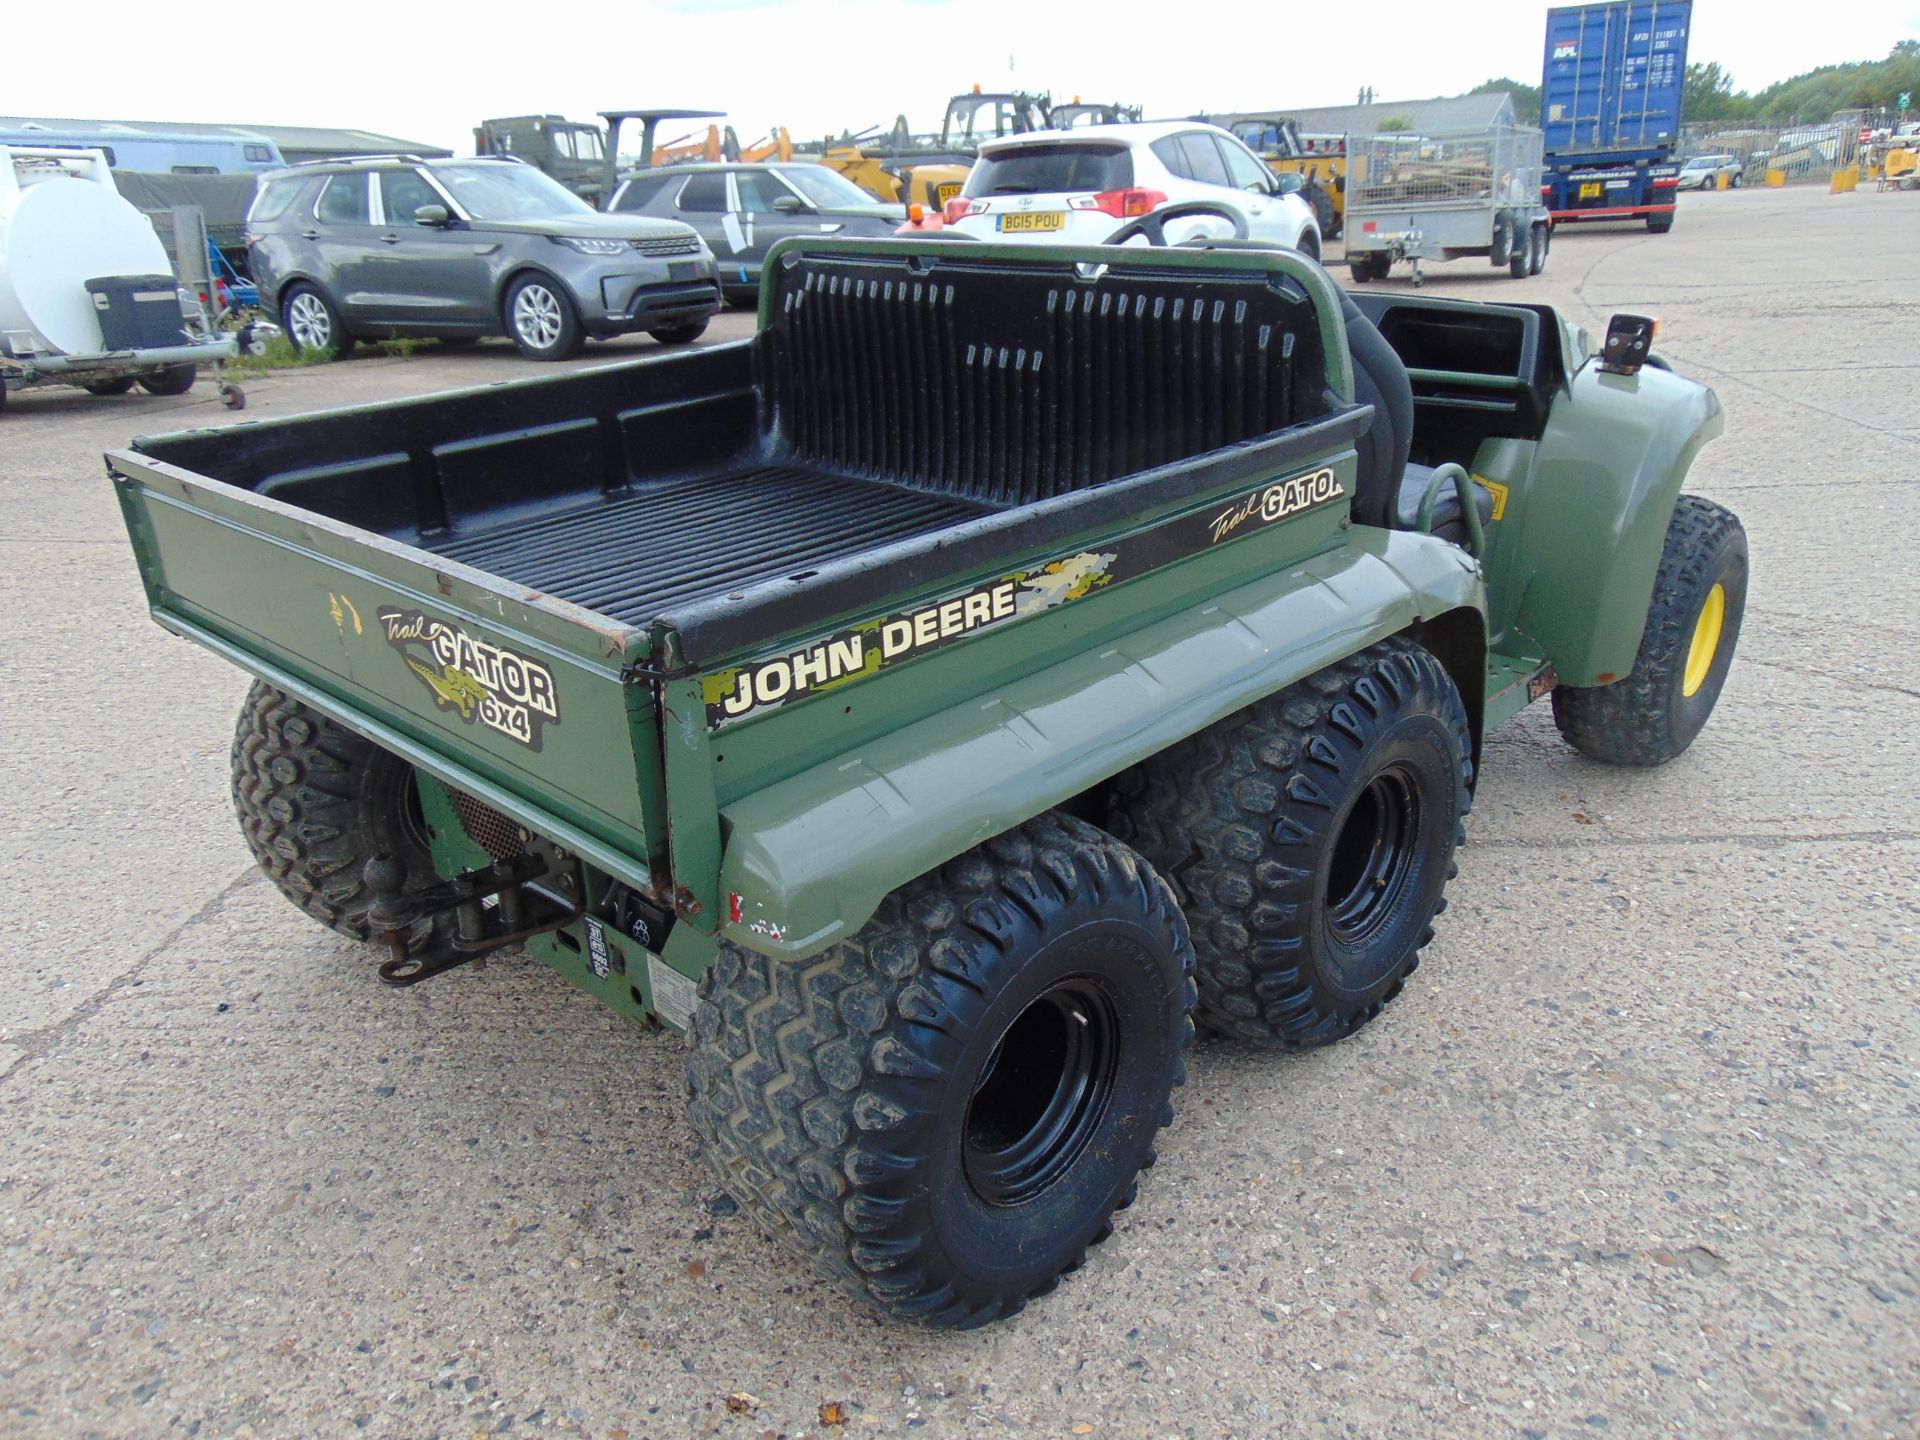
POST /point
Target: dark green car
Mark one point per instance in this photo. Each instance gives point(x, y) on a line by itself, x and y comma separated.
point(743, 211)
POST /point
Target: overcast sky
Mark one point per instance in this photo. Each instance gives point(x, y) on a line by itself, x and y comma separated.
point(428, 72)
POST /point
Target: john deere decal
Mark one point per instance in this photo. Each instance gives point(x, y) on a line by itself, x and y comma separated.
point(484, 683)
point(864, 649)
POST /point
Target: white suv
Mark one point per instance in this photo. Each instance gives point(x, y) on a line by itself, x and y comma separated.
point(1079, 188)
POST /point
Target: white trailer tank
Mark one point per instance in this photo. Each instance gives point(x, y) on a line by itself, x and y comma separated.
point(62, 223)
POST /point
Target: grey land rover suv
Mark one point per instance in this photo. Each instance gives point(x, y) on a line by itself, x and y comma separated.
point(455, 249)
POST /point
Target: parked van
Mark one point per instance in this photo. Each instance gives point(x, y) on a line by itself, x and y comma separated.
point(132, 146)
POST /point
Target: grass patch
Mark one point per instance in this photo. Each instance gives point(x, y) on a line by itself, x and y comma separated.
point(403, 346)
point(279, 354)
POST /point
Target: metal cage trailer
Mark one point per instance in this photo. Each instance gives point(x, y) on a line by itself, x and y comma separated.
point(1415, 197)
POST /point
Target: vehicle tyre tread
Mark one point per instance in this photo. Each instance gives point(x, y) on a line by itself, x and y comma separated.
point(316, 802)
point(1224, 816)
point(1633, 721)
point(810, 1082)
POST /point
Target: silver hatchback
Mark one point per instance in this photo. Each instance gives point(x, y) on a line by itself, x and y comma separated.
point(457, 249)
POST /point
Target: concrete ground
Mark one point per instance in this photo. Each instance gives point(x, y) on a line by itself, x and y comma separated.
point(1634, 1155)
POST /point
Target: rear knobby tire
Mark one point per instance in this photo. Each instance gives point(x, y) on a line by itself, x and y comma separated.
point(316, 802)
point(1649, 717)
point(1310, 838)
point(885, 1108)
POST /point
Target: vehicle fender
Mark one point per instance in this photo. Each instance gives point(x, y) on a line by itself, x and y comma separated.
point(284, 283)
point(809, 858)
point(1609, 468)
point(506, 278)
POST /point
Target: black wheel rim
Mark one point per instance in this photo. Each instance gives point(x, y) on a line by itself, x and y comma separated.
point(1373, 856)
point(1042, 1094)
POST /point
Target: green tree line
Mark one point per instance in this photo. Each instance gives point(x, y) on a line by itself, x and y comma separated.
point(1866, 85)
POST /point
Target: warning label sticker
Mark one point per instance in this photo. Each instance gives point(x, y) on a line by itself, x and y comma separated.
point(674, 994)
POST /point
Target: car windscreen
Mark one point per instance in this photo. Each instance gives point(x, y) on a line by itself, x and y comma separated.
point(825, 188)
point(1050, 169)
point(508, 192)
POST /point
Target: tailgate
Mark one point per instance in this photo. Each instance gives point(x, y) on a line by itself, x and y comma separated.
point(524, 701)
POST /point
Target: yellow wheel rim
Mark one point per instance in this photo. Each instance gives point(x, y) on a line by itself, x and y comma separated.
point(1706, 640)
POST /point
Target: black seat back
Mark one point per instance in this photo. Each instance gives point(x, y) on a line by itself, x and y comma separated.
point(1008, 382)
point(1379, 380)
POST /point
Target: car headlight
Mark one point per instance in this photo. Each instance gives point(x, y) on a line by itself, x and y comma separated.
point(592, 246)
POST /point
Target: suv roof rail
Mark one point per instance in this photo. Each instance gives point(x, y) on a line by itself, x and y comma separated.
point(390, 155)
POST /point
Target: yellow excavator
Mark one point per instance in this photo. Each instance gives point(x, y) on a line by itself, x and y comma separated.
point(722, 143)
point(928, 170)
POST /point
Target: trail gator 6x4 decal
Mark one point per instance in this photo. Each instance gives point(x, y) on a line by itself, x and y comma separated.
point(483, 683)
point(873, 645)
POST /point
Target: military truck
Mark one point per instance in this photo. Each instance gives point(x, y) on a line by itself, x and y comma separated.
point(571, 152)
point(934, 705)
point(585, 158)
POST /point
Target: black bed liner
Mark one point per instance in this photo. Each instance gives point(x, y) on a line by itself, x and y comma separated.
point(636, 556)
point(899, 422)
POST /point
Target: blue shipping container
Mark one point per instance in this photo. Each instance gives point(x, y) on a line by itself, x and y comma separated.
point(1614, 75)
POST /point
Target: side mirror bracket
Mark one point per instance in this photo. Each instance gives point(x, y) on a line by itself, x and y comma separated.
point(1629, 343)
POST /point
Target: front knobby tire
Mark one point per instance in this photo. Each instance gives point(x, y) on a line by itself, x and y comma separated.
point(1310, 837)
point(945, 1111)
point(1693, 627)
point(316, 802)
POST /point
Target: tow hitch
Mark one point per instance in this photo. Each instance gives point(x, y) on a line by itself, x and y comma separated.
point(492, 908)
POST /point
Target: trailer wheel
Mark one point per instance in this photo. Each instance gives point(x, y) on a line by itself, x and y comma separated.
point(1541, 243)
point(944, 1111)
point(118, 385)
point(1311, 836)
point(1693, 627)
point(1371, 265)
point(316, 802)
point(1520, 261)
point(170, 379)
point(1500, 251)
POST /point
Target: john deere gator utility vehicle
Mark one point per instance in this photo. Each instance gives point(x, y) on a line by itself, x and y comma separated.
point(936, 704)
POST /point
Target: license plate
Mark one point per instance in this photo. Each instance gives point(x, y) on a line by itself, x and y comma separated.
point(683, 269)
point(1041, 220)
point(1592, 190)
point(947, 191)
